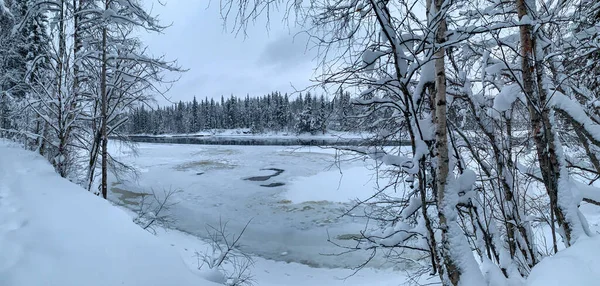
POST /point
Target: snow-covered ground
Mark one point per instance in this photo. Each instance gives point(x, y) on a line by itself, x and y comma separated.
point(577, 265)
point(52, 232)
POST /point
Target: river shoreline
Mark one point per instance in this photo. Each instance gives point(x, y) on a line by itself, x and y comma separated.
point(253, 140)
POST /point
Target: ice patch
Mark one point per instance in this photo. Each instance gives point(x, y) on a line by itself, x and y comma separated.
point(353, 183)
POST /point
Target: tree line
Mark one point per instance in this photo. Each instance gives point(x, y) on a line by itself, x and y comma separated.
point(272, 112)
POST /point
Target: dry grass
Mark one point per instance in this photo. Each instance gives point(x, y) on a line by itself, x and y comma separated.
point(128, 197)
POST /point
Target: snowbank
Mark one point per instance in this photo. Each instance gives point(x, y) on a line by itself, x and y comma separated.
point(52, 232)
point(577, 265)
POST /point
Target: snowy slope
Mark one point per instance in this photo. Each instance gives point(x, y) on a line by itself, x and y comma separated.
point(577, 265)
point(52, 232)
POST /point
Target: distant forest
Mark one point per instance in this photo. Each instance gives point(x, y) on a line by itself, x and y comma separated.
point(272, 112)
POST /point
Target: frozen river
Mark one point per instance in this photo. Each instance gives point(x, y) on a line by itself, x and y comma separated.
point(294, 197)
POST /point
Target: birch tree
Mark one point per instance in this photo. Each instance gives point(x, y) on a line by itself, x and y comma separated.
point(94, 69)
point(128, 77)
point(462, 83)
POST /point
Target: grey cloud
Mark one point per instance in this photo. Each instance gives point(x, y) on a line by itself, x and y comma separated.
point(221, 63)
point(286, 50)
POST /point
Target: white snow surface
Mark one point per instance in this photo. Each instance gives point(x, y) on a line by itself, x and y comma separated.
point(53, 232)
point(507, 96)
point(333, 186)
point(577, 265)
point(268, 272)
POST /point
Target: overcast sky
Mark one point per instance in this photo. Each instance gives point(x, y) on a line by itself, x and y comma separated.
point(221, 63)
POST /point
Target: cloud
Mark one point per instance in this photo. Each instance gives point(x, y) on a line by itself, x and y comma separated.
point(286, 51)
point(220, 63)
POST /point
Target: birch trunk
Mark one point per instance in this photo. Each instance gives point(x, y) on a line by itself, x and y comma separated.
point(452, 272)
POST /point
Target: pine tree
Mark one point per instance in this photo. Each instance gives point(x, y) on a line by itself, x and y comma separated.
point(195, 117)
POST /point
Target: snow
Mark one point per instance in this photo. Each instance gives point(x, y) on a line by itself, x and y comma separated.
point(526, 20)
point(586, 191)
point(370, 58)
point(507, 97)
point(52, 232)
point(215, 186)
point(334, 186)
point(277, 273)
point(428, 72)
point(576, 111)
point(415, 204)
point(576, 265)
point(496, 68)
point(464, 184)
point(458, 246)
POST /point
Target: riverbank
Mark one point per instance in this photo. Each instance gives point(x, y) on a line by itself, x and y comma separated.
point(245, 138)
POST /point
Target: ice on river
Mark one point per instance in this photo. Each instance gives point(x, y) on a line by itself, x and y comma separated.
point(294, 196)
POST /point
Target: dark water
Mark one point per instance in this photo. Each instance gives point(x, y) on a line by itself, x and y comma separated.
point(276, 173)
point(266, 141)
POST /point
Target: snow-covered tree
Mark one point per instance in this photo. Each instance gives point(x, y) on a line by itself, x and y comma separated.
point(71, 71)
point(474, 86)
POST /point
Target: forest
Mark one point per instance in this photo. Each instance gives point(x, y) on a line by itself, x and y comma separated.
point(273, 112)
point(500, 100)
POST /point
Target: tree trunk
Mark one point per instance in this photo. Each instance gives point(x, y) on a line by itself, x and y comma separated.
point(60, 160)
point(104, 115)
point(77, 45)
point(452, 272)
point(410, 114)
point(541, 128)
point(95, 148)
point(77, 6)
